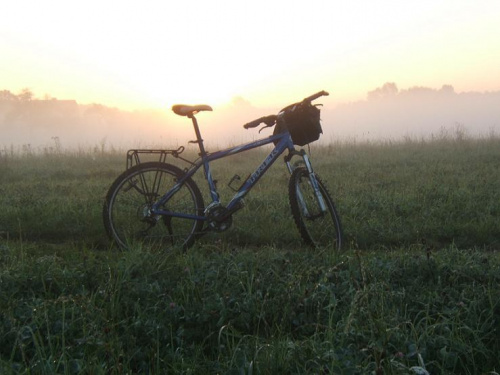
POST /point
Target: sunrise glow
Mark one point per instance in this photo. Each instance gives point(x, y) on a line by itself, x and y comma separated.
point(152, 54)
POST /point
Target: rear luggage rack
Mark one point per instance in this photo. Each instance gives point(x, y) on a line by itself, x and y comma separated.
point(134, 155)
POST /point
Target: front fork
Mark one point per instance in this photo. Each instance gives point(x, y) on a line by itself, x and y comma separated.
point(312, 179)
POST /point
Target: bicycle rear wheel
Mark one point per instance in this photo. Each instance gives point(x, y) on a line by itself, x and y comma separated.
point(126, 210)
point(318, 229)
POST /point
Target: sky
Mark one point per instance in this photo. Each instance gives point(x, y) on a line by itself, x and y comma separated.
point(155, 53)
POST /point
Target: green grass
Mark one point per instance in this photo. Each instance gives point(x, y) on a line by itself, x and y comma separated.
point(417, 285)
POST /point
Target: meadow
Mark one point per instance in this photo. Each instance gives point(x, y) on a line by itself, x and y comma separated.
point(415, 290)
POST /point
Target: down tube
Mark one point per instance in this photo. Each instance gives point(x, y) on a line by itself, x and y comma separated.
point(282, 145)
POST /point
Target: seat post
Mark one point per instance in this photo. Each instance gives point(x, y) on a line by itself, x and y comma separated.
point(206, 165)
point(199, 140)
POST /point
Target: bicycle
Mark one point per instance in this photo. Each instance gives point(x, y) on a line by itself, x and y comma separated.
point(160, 204)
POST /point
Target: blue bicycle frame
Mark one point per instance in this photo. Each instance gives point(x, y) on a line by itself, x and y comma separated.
point(284, 142)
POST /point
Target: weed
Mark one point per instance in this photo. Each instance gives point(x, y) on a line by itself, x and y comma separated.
point(416, 292)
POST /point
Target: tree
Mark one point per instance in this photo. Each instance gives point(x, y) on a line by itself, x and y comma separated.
point(26, 95)
point(389, 89)
point(7, 95)
point(447, 89)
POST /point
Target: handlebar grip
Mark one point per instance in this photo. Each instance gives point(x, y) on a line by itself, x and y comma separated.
point(268, 120)
point(316, 96)
point(253, 124)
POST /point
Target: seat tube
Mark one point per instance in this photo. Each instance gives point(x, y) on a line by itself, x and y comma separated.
point(206, 166)
point(199, 140)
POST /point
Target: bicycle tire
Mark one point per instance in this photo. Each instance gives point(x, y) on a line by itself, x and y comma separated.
point(315, 228)
point(132, 194)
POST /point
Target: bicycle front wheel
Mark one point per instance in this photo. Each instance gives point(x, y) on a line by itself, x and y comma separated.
point(127, 216)
point(317, 228)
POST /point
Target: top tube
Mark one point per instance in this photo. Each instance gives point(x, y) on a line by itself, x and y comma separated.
point(250, 145)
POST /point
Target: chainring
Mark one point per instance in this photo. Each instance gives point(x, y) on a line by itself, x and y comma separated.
point(218, 220)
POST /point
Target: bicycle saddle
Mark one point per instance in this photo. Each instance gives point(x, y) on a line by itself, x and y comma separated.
point(189, 110)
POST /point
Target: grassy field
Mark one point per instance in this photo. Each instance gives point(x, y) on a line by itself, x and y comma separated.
point(417, 287)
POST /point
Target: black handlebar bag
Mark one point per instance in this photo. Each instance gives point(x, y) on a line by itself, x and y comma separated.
point(302, 120)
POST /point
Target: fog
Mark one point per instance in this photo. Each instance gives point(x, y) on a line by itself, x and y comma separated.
point(418, 112)
point(386, 113)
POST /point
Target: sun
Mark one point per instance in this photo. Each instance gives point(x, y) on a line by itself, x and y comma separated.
point(164, 89)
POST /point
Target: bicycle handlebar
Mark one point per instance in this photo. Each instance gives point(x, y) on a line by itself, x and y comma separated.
point(271, 119)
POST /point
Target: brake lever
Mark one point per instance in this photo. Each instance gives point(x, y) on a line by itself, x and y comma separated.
point(267, 126)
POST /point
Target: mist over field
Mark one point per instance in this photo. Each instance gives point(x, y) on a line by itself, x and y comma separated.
point(387, 113)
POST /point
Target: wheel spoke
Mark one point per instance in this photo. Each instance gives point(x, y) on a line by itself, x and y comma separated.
point(127, 212)
point(316, 227)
